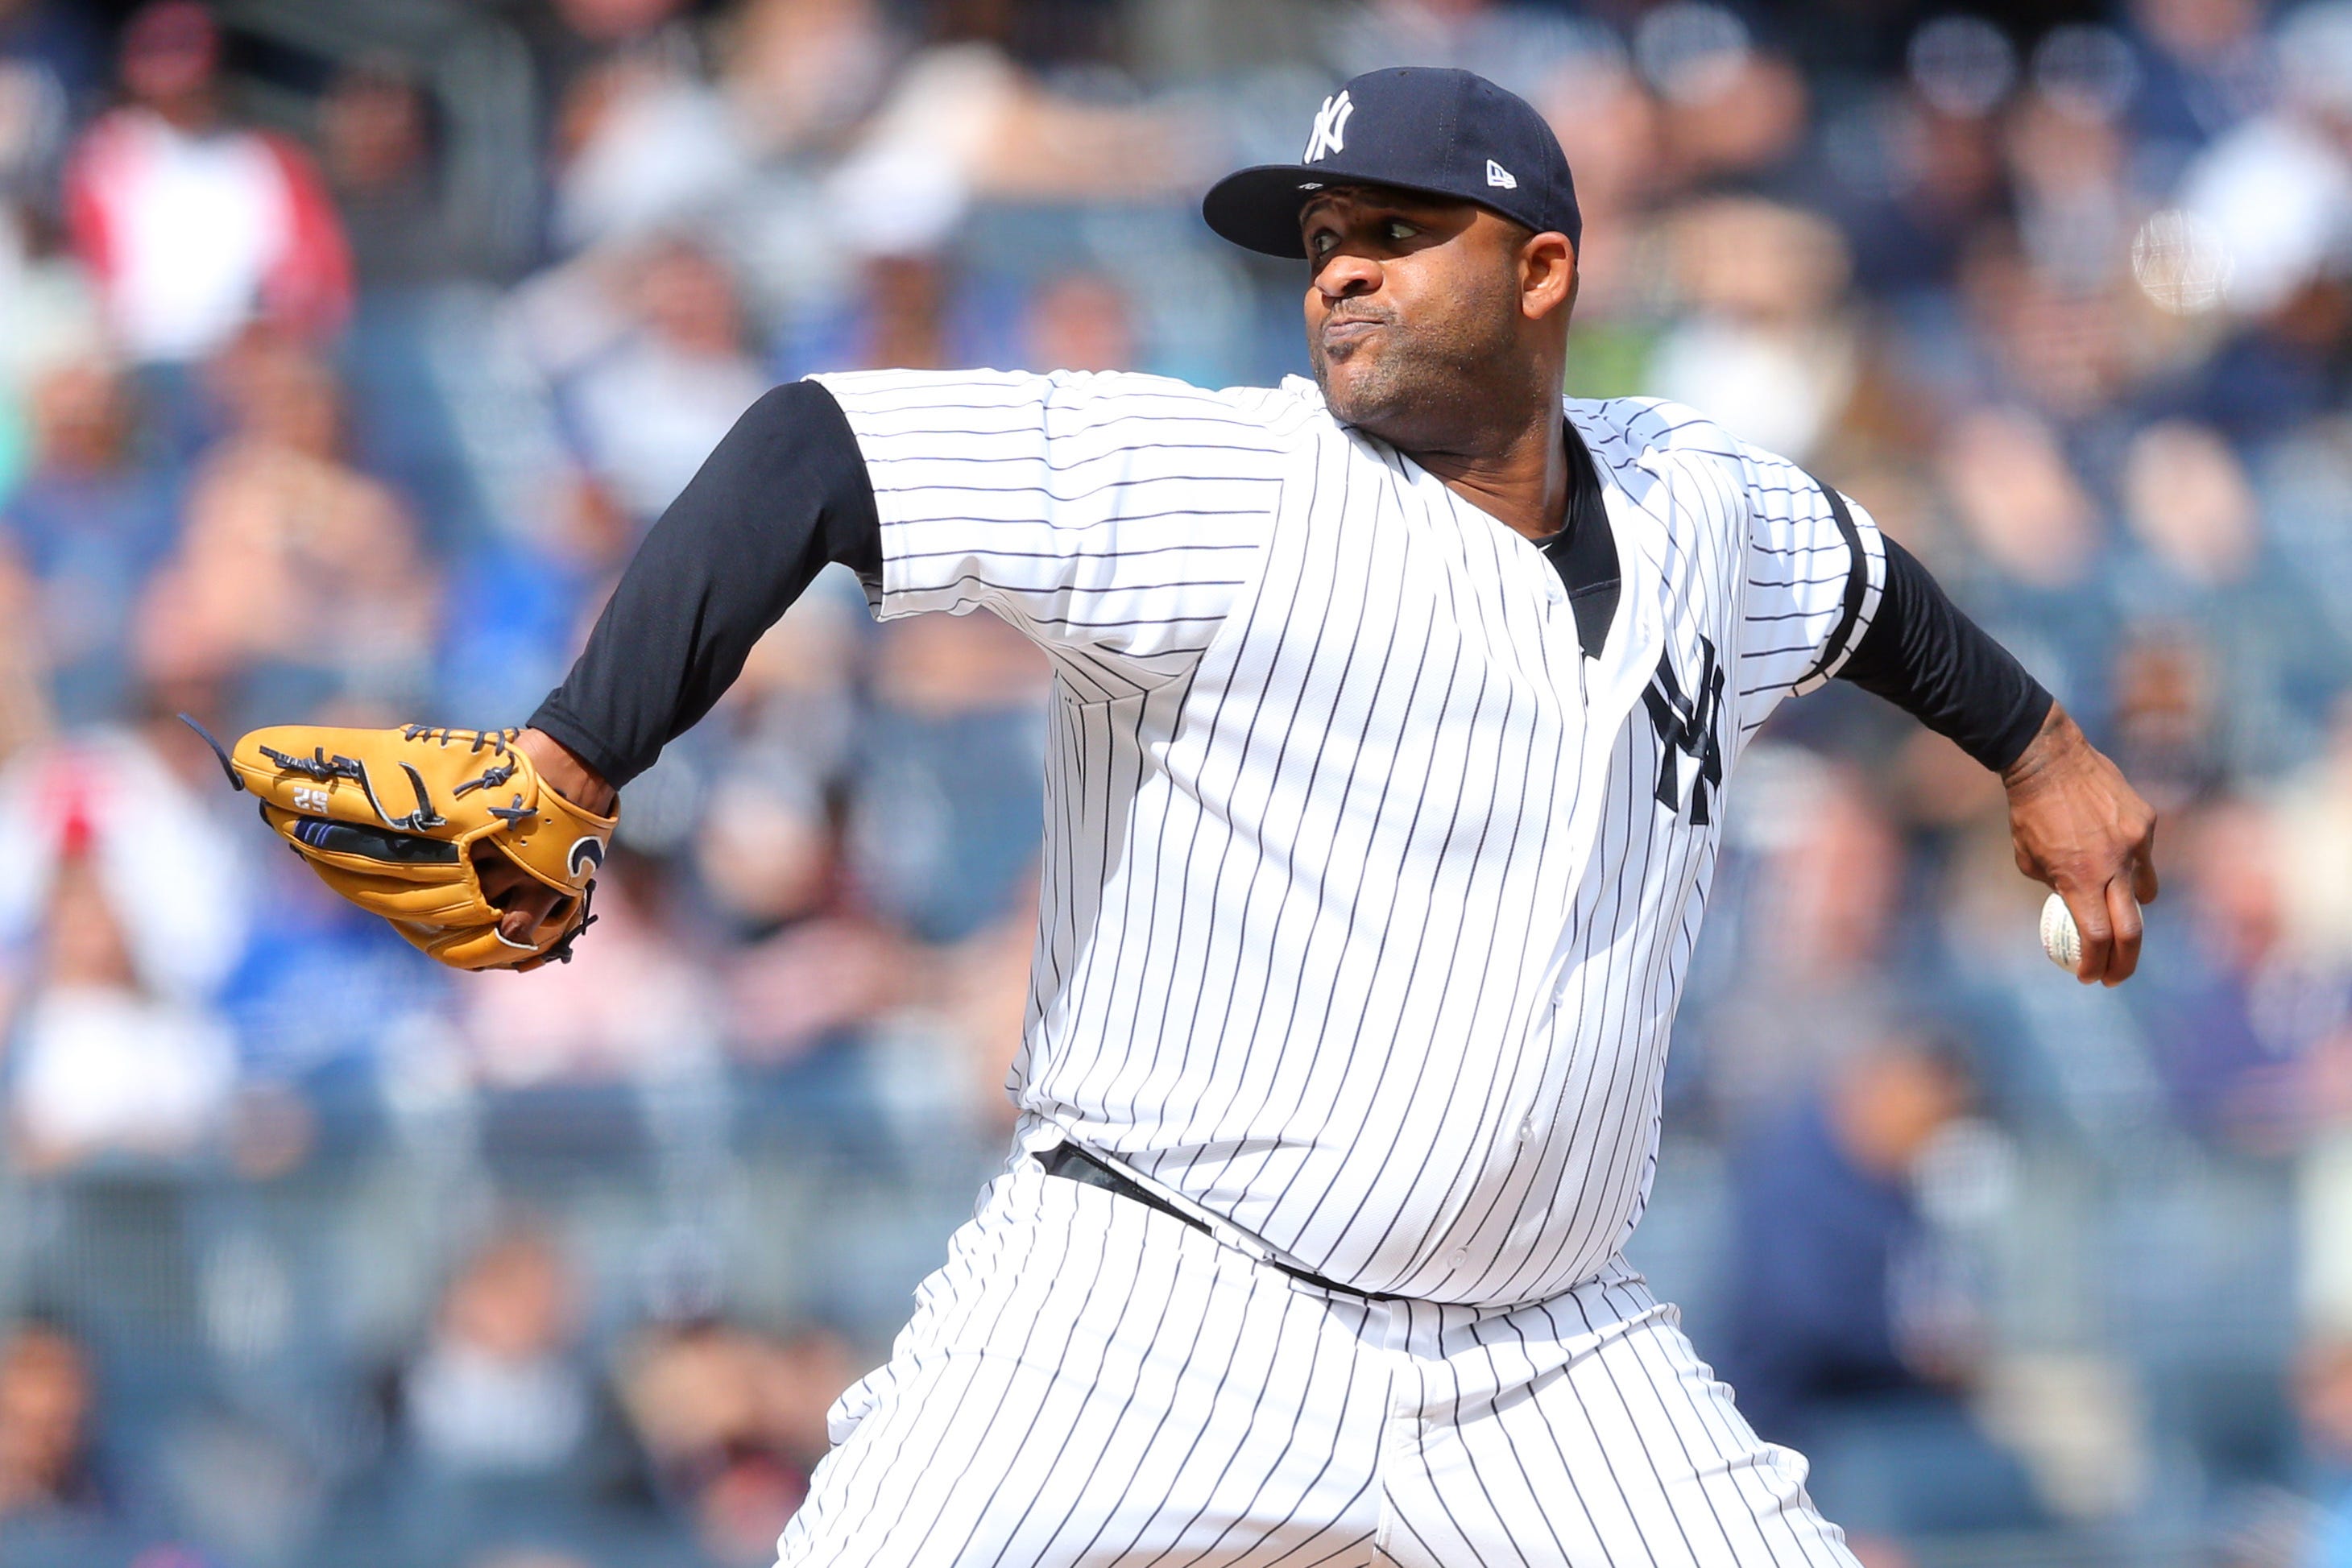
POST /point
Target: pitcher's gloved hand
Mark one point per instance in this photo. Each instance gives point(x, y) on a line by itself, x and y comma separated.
point(460, 837)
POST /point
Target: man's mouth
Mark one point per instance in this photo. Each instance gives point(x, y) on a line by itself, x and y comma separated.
point(1345, 332)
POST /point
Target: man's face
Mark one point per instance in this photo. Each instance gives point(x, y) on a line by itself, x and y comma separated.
point(1415, 323)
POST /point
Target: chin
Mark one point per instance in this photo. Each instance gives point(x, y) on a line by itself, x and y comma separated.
point(1372, 414)
point(1352, 392)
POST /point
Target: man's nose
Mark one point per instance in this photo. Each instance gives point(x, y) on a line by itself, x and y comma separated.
point(1345, 277)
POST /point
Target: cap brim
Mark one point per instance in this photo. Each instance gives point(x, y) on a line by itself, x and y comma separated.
point(1258, 208)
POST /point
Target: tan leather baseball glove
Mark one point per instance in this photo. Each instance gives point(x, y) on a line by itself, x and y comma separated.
point(400, 821)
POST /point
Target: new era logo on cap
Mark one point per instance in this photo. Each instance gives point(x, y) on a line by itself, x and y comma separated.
point(1430, 131)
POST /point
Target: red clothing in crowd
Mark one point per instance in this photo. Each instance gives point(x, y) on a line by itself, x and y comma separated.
point(192, 235)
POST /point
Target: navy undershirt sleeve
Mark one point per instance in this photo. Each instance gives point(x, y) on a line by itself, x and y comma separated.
point(785, 495)
point(1925, 656)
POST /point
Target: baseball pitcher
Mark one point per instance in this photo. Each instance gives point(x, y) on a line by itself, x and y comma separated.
point(1395, 716)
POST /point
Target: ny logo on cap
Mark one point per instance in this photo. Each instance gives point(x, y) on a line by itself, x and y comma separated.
point(1331, 133)
point(1500, 177)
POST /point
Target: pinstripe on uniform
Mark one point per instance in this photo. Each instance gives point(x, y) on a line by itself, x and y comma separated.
point(1368, 896)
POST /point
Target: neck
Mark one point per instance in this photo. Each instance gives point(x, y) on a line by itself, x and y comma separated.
point(1518, 475)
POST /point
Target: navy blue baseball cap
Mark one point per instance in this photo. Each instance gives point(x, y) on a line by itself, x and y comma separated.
point(1417, 128)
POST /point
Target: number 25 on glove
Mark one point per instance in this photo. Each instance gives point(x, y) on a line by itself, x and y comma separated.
point(397, 819)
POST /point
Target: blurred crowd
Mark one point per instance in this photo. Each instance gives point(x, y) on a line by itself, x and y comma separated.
point(346, 351)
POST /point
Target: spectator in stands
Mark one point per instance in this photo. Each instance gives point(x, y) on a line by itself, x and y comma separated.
point(124, 898)
point(2202, 68)
point(800, 73)
point(950, 796)
point(1941, 179)
point(299, 582)
point(2273, 198)
point(1080, 321)
point(651, 408)
point(2242, 1000)
point(420, 230)
point(733, 1423)
point(907, 300)
point(500, 1394)
point(1762, 338)
point(1833, 1341)
point(1802, 978)
point(1735, 112)
point(2200, 561)
point(45, 1417)
point(2278, 187)
point(643, 1012)
point(966, 120)
point(88, 525)
point(100, 1067)
point(1609, 125)
point(2075, 209)
point(2035, 539)
point(644, 144)
point(813, 969)
point(192, 223)
point(2163, 729)
point(380, 139)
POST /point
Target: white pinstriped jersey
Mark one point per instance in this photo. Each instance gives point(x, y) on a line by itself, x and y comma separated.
point(1368, 893)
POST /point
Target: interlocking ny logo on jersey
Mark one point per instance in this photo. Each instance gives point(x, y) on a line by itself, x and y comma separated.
point(1331, 133)
point(1686, 728)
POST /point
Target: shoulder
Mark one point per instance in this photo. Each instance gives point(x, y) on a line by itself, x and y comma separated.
point(1125, 406)
point(114, 139)
point(1650, 430)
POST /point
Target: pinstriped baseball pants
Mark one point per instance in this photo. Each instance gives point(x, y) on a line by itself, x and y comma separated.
point(1088, 1383)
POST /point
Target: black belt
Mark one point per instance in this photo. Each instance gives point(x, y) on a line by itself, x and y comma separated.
point(1070, 1161)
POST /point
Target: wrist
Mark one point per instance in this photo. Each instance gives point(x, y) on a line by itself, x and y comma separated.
point(565, 773)
point(2058, 738)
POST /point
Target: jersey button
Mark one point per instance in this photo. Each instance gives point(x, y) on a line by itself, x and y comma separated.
point(1458, 1260)
point(1527, 1128)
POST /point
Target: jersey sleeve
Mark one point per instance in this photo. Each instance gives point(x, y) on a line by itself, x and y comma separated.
point(1815, 569)
point(1113, 519)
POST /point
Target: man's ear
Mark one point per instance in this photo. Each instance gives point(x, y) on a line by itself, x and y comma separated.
point(1548, 277)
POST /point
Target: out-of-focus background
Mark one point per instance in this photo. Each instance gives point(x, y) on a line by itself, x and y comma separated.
point(346, 349)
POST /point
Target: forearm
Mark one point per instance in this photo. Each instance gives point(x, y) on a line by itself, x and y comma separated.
point(1925, 656)
point(782, 497)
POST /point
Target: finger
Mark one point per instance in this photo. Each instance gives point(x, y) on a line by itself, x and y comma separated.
point(529, 906)
point(2123, 911)
point(523, 900)
point(2144, 869)
point(2089, 909)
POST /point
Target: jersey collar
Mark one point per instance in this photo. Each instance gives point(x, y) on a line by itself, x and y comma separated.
point(1584, 553)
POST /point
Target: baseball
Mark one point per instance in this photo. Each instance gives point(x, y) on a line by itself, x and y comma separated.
point(2059, 937)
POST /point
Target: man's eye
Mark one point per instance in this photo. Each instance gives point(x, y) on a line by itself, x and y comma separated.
point(1399, 229)
point(1320, 241)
